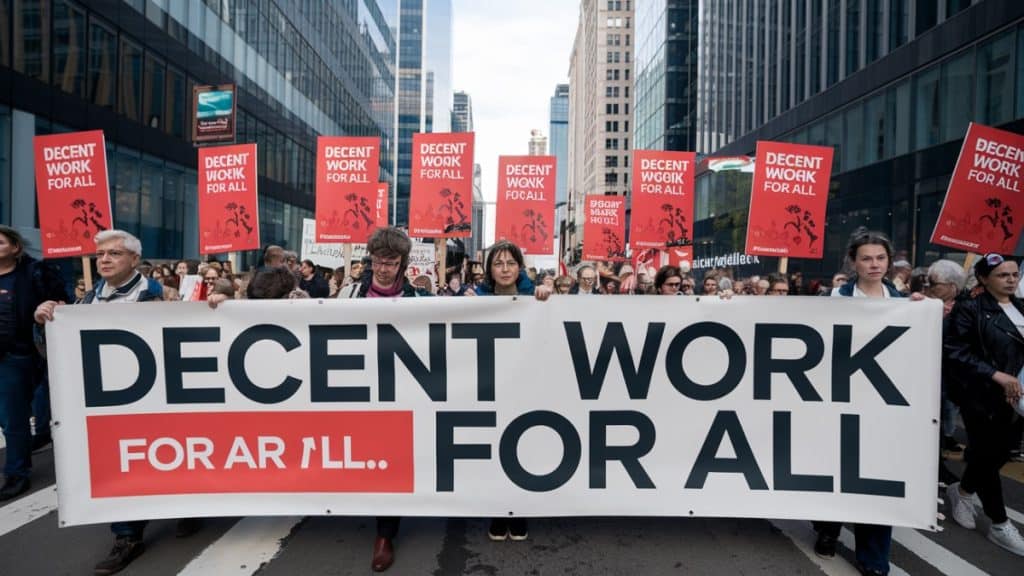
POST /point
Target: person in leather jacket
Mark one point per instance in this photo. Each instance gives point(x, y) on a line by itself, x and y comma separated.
point(983, 357)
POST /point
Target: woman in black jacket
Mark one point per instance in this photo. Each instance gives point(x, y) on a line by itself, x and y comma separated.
point(25, 283)
point(984, 355)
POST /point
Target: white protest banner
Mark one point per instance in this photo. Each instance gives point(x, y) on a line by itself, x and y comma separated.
point(326, 254)
point(810, 408)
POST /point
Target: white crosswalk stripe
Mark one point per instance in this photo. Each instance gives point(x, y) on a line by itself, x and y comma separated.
point(28, 508)
point(243, 549)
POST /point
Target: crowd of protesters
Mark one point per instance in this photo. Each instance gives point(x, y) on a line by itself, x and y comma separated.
point(983, 357)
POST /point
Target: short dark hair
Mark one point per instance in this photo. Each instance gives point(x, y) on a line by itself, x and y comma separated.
point(499, 248)
point(864, 237)
point(664, 273)
point(309, 263)
point(390, 242)
point(271, 283)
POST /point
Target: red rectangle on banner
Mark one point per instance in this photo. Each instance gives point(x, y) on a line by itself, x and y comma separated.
point(72, 192)
point(604, 230)
point(231, 452)
point(229, 217)
point(526, 202)
point(788, 200)
point(441, 197)
point(381, 205)
point(347, 169)
point(662, 208)
point(984, 210)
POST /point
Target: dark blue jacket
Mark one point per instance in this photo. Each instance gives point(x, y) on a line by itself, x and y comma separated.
point(524, 286)
point(35, 282)
point(154, 291)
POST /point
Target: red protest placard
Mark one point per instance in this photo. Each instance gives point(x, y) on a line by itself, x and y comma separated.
point(381, 205)
point(788, 200)
point(662, 199)
point(441, 197)
point(526, 202)
point(346, 188)
point(228, 205)
point(72, 192)
point(983, 207)
point(604, 230)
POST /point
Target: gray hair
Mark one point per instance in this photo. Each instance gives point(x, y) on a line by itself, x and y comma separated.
point(131, 243)
point(583, 267)
point(948, 271)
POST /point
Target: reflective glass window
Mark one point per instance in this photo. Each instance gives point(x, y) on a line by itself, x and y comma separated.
point(927, 108)
point(995, 81)
point(5, 35)
point(897, 105)
point(853, 143)
point(32, 38)
point(130, 86)
point(899, 17)
point(178, 98)
point(126, 191)
point(69, 56)
point(102, 65)
point(957, 91)
point(154, 92)
point(927, 15)
point(874, 129)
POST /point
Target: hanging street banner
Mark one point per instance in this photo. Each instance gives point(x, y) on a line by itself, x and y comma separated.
point(984, 210)
point(441, 196)
point(526, 202)
point(346, 188)
point(604, 229)
point(213, 108)
point(810, 408)
point(72, 192)
point(663, 192)
point(788, 199)
point(228, 204)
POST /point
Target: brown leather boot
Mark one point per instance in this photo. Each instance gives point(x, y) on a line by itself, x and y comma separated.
point(383, 554)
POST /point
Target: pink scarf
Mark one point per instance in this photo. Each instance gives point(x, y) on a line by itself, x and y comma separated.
point(375, 292)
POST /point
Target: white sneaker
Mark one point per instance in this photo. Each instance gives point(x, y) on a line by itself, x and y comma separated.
point(961, 507)
point(1006, 536)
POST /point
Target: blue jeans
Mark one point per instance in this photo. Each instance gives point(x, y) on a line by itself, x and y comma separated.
point(874, 543)
point(41, 404)
point(17, 381)
point(133, 528)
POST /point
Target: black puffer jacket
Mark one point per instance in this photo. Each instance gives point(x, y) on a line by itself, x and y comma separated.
point(978, 340)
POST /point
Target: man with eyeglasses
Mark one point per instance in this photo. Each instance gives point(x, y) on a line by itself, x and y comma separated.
point(778, 285)
point(117, 258)
point(586, 281)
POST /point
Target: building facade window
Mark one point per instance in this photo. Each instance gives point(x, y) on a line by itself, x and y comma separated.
point(69, 57)
point(154, 90)
point(957, 90)
point(995, 87)
point(899, 19)
point(129, 98)
point(32, 38)
point(927, 109)
point(102, 65)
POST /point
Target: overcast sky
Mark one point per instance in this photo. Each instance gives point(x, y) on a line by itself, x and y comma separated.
point(509, 55)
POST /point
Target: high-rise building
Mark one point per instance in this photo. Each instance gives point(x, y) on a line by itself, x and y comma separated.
point(558, 146)
point(891, 86)
point(128, 67)
point(538, 145)
point(666, 75)
point(462, 112)
point(424, 84)
point(600, 103)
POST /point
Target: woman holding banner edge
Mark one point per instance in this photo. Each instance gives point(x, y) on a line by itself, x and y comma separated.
point(505, 275)
point(870, 254)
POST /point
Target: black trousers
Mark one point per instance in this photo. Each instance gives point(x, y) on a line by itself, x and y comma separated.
point(387, 526)
point(988, 447)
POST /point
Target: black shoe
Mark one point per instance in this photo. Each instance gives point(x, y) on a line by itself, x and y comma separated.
point(126, 549)
point(825, 545)
point(870, 571)
point(498, 530)
point(41, 443)
point(949, 444)
point(517, 529)
point(14, 486)
point(187, 527)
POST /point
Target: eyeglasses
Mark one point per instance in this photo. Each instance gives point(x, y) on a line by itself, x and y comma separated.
point(115, 254)
point(377, 263)
point(505, 264)
point(779, 291)
point(586, 278)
